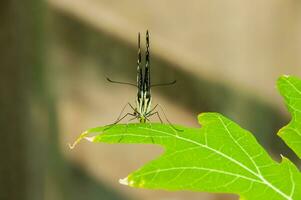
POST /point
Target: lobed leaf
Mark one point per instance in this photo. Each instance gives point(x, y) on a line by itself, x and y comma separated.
point(218, 157)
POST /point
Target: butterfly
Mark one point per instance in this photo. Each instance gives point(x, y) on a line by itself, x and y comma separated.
point(143, 109)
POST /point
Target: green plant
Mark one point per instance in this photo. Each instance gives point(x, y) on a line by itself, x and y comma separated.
point(218, 157)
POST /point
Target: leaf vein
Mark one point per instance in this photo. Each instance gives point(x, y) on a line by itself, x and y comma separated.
point(157, 171)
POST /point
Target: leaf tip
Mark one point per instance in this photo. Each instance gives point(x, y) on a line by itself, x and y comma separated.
point(284, 159)
point(71, 146)
point(201, 116)
point(205, 118)
point(125, 181)
point(280, 132)
point(83, 135)
point(282, 156)
point(283, 77)
point(90, 139)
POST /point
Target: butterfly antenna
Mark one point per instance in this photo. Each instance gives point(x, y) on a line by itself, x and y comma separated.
point(164, 84)
point(139, 69)
point(119, 82)
point(147, 65)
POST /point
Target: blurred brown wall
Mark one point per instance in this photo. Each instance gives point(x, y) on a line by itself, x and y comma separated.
point(21, 168)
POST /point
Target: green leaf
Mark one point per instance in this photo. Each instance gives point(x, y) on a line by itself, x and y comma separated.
point(219, 157)
point(290, 89)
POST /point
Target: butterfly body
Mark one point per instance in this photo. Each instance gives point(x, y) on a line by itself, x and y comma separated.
point(143, 107)
point(144, 99)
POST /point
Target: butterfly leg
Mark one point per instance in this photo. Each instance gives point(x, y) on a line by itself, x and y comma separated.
point(124, 107)
point(150, 113)
point(126, 127)
point(119, 118)
point(157, 114)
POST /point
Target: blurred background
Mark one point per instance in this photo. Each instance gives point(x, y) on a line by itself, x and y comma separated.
point(55, 55)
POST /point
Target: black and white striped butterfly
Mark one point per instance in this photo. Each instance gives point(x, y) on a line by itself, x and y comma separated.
point(143, 110)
